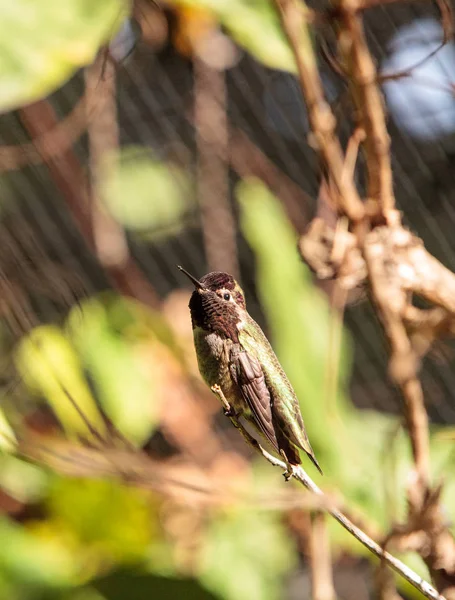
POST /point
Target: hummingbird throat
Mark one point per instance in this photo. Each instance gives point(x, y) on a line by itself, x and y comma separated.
point(211, 313)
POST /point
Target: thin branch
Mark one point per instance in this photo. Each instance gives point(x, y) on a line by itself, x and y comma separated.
point(298, 473)
point(322, 120)
point(368, 102)
point(415, 580)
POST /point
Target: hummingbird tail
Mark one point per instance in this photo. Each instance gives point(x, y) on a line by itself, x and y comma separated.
point(315, 462)
point(291, 451)
point(293, 456)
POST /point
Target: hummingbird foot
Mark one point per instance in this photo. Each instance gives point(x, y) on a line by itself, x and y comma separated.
point(289, 473)
point(228, 410)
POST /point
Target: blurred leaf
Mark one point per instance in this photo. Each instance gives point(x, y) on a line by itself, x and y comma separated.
point(127, 393)
point(23, 481)
point(7, 437)
point(144, 194)
point(42, 42)
point(102, 522)
point(49, 366)
point(246, 555)
point(33, 561)
point(254, 24)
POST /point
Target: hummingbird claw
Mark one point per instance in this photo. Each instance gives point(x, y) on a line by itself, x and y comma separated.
point(287, 475)
point(289, 470)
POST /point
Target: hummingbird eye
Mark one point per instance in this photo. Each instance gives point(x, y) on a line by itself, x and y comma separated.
point(227, 296)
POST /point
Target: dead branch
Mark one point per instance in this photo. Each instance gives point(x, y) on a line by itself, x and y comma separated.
point(298, 473)
point(380, 253)
point(368, 102)
point(322, 120)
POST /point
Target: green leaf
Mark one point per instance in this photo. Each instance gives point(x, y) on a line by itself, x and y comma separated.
point(99, 331)
point(22, 480)
point(145, 194)
point(7, 437)
point(246, 555)
point(255, 25)
point(102, 520)
point(34, 561)
point(42, 42)
point(50, 367)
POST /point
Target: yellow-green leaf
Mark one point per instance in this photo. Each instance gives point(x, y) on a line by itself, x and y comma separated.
point(50, 367)
point(42, 43)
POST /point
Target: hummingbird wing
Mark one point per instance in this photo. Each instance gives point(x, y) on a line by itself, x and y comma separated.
point(247, 372)
point(285, 408)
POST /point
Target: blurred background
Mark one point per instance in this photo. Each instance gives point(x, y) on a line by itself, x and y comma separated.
point(186, 142)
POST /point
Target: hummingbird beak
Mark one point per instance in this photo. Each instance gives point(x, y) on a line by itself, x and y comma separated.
point(195, 281)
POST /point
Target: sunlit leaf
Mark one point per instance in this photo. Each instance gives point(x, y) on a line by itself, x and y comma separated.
point(42, 42)
point(126, 390)
point(23, 481)
point(254, 24)
point(7, 437)
point(297, 311)
point(103, 519)
point(50, 367)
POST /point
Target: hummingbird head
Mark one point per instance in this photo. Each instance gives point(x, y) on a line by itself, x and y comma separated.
point(217, 304)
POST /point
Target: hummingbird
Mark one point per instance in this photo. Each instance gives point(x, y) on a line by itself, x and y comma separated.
point(234, 355)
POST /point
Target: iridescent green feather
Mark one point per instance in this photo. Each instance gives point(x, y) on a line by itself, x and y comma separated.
point(285, 401)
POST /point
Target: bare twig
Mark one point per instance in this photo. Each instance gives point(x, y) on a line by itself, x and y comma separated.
point(298, 473)
point(418, 582)
point(368, 102)
point(322, 120)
